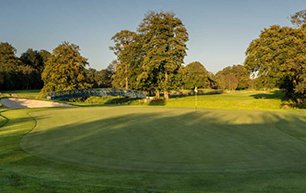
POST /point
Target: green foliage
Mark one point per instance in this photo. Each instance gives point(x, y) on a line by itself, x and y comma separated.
point(14, 74)
point(151, 59)
point(35, 59)
point(278, 56)
point(127, 48)
point(233, 77)
point(195, 75)
point(99, 79)
point(299, 18)
point(164, 44)
point(65, 69)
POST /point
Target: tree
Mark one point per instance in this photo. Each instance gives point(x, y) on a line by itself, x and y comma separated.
point(65, 69)
point(100, 79)
point(36, 60)
point(32, 58)
point(127, 49)
point(212, 82)
point(279, 55)
point(195, 75)
point(299, 18)
point(233, 77)
point(164, 43)
point(10, 68)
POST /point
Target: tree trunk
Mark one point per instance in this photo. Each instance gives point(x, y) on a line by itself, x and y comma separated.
point(166, 92)
point(126, 83)
point(166, 95)
point(126, 78)
point(157, 94)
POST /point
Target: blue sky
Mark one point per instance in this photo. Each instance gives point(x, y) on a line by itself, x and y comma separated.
point(219, 30)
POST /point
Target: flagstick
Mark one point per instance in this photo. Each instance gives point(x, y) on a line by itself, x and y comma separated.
point(195, 98)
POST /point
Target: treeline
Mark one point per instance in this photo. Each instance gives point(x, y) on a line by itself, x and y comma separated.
point(23, 72)
point(41, 69)
point(151, 59)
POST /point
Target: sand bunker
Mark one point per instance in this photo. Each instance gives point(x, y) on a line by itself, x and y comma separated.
point(16, 103)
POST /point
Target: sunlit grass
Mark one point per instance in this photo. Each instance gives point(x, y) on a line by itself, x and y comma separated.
point(28, 94)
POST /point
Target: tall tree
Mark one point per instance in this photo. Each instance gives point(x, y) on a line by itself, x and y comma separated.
point(13, 73)
point(65, 69)
point(127, 49)
point(195, 75)
point(279, 55)
point(164, 43)
point(8, 65)
point(36, 60)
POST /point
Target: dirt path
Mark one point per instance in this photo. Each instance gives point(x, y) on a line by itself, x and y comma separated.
point(16, 103)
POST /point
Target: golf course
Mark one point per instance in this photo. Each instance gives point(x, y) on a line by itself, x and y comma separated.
point(143, 148)
point(153, 96)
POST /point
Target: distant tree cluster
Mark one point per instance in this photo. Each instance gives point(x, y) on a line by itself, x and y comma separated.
point(234, 77)
point(102, 78)
point(195, 75)
point(21, 73)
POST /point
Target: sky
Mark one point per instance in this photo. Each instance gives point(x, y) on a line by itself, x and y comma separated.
point(219, 30)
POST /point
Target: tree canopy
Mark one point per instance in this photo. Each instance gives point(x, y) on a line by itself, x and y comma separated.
point(65, 69)
point(127, 48)
point(299, 18)
point(164, 44)
point(278, 55)
point(233, 77)
point(14, 73)
point(151, 58)
point(195, 75)
point(100, 78)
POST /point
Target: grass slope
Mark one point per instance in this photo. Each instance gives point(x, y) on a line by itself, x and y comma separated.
point(129, 149)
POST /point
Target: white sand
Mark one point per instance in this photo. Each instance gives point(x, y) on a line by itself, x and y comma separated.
point(16, 103)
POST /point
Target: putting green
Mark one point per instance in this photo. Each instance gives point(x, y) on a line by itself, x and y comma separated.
point(172, 140)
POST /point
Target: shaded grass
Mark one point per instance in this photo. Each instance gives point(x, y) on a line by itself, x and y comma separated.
point(275, 138)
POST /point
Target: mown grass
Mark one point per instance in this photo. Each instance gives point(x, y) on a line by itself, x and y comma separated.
point(28, 94)
point(240, 100)
point(236, 100)
point(152, 149)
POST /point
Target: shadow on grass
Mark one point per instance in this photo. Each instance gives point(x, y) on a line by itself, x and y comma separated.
point(180, 94)
point(276, 94)
point(166, 142)
point(121, 147)
point(157, 102)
